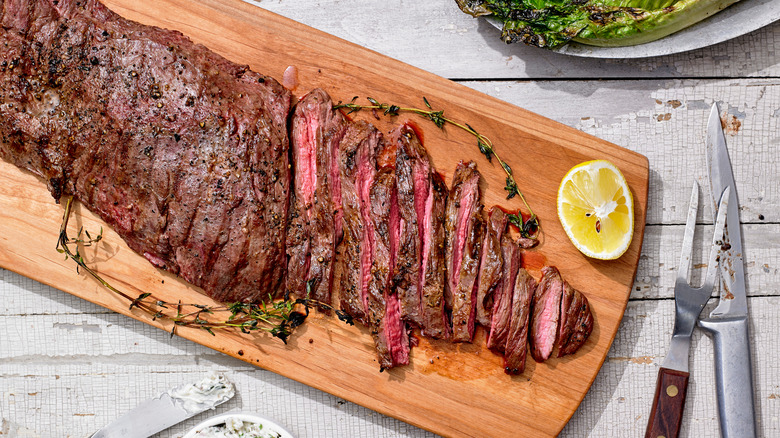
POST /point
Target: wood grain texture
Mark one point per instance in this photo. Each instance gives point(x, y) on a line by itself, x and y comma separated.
point(455, 390)
point(666, 412)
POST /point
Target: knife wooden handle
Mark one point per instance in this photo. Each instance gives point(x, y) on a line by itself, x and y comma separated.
point(668, 404)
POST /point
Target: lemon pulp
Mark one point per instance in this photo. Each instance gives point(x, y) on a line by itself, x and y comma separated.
point(596, 209)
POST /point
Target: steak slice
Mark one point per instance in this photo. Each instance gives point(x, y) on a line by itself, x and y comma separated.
point(433, 270)
point(576, 321)
point(315, 204)
point(546, 313)
point(357, 154)
point(412, 174)
point(465, 227)
point(501, 320)
point(182, 152)
point(490, 265)
point(384, 308)
point(517, 341)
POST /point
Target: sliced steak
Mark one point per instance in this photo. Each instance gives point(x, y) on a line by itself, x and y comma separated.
point(576, 321)
point(315, 210)
point(517, 341)
point(546, 313)
point(357, 155)
point(501, 318)
point(412, 169)
point(182, 152)
point(384, 309)
point(433, 271)
point(490, 265)
point(465, 227)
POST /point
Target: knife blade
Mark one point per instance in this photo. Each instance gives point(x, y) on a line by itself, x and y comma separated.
point(169, 408)
point(728, 322)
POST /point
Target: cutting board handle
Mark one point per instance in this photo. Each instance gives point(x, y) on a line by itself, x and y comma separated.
point(668, 404)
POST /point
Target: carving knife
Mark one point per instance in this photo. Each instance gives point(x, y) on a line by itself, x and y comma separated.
point(727, 324)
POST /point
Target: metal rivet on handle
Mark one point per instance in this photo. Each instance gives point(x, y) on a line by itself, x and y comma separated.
point(671, 390)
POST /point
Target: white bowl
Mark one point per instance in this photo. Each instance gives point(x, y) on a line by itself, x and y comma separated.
point(268, 424)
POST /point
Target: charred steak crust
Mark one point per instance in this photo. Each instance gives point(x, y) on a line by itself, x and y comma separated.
point(490, 265)
point(181, 151)
point(546, 314)
point(517, 339)
point(412, 168)
point(576, 321)
point(435, 321)
point(384, 312)
point(315, 214)
point(501, 319)
point(357, 152)
point(465, 227)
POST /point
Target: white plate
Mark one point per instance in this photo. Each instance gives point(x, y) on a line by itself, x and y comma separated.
point(738, 19)
point(268, 424)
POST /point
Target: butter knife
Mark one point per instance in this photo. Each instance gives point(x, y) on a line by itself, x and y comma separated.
point(170, 408)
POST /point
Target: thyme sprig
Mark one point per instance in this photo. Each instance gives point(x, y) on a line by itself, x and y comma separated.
point(278, 318)
point(528, 227)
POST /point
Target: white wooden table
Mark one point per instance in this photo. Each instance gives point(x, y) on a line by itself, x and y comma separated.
point(67, 367)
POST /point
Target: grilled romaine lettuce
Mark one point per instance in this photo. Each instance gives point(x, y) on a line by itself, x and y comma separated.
point(606, 23)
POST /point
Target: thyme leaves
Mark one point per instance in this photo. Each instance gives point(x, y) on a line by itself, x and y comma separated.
point(278, 318)
point(528, 227)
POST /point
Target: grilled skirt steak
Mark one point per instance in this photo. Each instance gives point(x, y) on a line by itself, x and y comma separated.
point(434, 271)
point(465, 228)
point(546, 313)
point(384, 308)
point(357, 152)
point(490, 266)
point(576, 321)
point(517, 340)
point(182, 152)
point(315, 205)
point(412, 171)
point(501, 318)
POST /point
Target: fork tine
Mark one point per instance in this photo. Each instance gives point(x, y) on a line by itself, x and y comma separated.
point(690, 226)
point(717, 241)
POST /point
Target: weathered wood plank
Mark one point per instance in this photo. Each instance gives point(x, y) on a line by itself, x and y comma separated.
point(436, 36)
point(619, 402)
point(102, 356)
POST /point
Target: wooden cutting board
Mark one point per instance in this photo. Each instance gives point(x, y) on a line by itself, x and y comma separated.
point(453, 390)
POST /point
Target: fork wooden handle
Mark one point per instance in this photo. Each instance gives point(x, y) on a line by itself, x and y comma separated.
point(668, 404)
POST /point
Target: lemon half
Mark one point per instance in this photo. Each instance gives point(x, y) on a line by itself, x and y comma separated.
point(596, 209)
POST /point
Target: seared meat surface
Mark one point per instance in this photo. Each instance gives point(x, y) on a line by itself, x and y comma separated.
point(576, 321)
point(465, 227)
point(501, 319)
point(490, 265)
point(517, 339)
point(357, 152)
point(546, 313)
point(182, 152)
point(315, 221)
point(434, 271)
point(384, 309)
